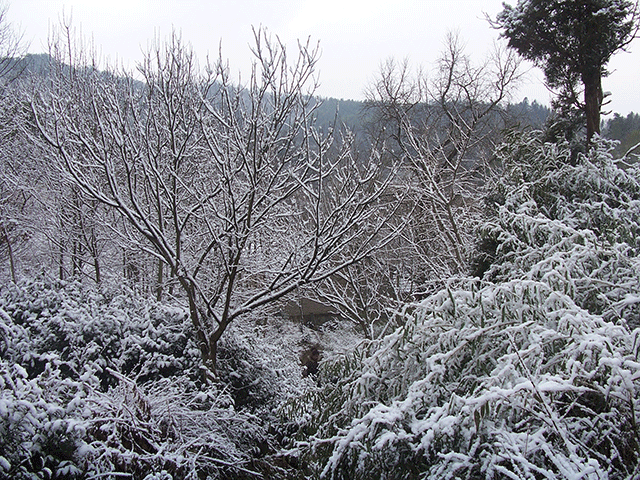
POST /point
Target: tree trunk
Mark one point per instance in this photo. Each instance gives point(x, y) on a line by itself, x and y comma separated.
point(592, 102)
point(61, 261)
point(96, 267)
point(96, 257)
point(10, 250)
point(159, 281)
point(207, 347)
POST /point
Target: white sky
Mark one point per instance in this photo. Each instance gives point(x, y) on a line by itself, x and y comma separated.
point(355, 35)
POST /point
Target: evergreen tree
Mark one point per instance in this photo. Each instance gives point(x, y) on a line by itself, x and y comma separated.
point(572, 41)
point(624, 129)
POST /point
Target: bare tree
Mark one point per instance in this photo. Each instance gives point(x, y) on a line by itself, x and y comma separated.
point(229, 188)
point(45, 224)
point(368, 294)
point(443, 128)
point(12, 202)
point(12, 48)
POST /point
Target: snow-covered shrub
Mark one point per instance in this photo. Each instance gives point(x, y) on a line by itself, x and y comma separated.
point(113, 328)
point(169, 427)
point(103, 382)
point(253, 381)
point(574, 227)
point(510, 381)
point(42, 423)
point(532, 372)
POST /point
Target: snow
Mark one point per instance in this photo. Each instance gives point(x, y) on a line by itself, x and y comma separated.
point(531, 372)
point(121, 393)
point(510, 376)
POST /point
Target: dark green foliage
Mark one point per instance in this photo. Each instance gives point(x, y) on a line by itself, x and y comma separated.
point(626, 130)
point(568, 39)
point(572, 41)
point(566, 126)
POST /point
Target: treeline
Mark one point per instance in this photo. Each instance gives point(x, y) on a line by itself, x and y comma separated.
point(357, 116)
point(525, 114)
point(626, 130)
point(354, 113)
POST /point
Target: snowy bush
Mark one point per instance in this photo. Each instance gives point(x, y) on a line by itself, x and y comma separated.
point(255, 368)
point(576, 228)
point(42, 423)
point(532, 372)
point(100, 382)
point(113, 328)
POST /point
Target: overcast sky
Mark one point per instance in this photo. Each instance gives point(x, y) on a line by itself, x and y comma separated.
point(355, 35)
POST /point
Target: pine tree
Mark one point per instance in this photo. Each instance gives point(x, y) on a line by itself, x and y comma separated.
point(572, 41)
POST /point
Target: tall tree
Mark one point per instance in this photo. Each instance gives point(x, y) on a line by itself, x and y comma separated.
point(230, 188)
point(443, 128)
point(572, 41)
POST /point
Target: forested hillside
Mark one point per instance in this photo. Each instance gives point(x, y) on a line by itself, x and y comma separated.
point(210, 280)
point(626, 130)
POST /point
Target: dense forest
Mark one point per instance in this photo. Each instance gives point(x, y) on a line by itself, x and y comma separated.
point(207, 280)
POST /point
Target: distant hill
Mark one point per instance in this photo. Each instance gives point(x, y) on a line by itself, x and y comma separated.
point(353, 113)
point(529, 114)
point(349, 112)
point(355, 116)
point(624, 129)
